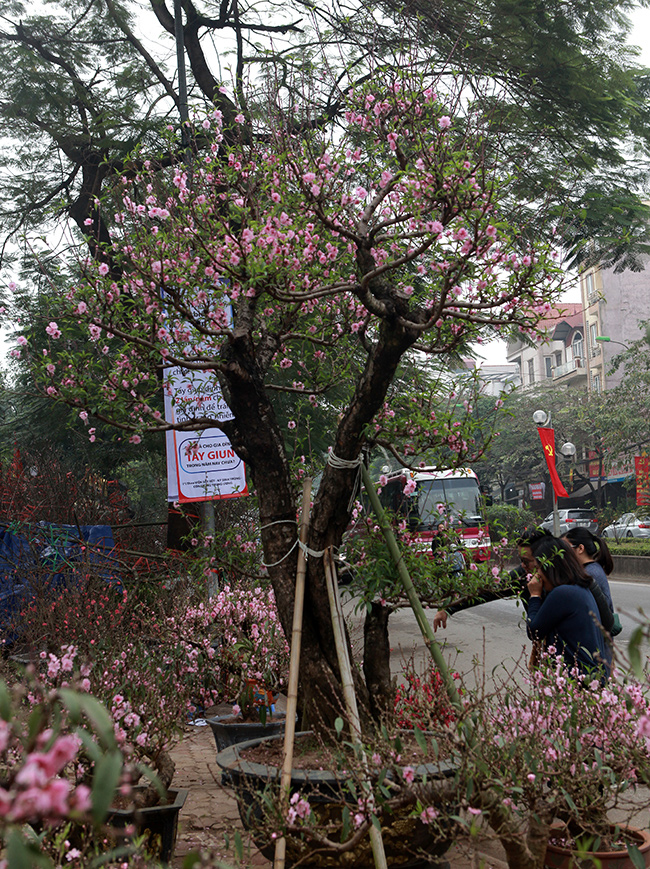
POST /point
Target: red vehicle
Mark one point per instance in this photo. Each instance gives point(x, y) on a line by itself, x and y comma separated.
point(452, 497)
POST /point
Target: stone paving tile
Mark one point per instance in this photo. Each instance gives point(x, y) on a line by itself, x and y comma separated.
point(210, 812)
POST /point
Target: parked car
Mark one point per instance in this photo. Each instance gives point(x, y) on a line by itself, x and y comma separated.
point(629, 525)
point(572, 517)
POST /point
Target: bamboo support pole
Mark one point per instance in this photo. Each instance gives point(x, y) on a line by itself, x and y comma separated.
point(416, 605)
point(294, 665)
point(349, 697)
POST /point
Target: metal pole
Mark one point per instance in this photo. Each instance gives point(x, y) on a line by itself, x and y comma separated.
point(206, 512)
point(556, 515)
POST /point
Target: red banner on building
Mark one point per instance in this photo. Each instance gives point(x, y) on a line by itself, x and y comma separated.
point(547, 437)
point(642, 469)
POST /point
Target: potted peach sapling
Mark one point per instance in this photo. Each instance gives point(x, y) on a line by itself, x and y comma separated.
point(143, 692)
point(554, 757)
point(149, 668)
point(343, 257)
point(43, 811)
point(551, 764)
point(251, 661)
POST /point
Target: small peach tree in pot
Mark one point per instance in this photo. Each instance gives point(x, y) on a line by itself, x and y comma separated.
point(43, 734)
point(548, 755)
point(149, 663)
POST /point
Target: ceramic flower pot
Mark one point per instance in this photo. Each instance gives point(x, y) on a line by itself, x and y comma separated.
point(561, 857)
point(406, 838)
point(159, 824)
point(228, 730)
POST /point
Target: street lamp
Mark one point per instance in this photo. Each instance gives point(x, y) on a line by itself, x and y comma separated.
point(605, 339)
point(542, 420)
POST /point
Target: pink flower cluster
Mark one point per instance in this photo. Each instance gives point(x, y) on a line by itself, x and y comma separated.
point(299, 809)
point(252, 644)
point(37, 791)
point(184, 259)
point(147, 687)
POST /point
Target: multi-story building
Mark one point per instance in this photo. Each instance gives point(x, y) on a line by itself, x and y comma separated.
point(560, 356)
point(613, 304)
point(496, 379)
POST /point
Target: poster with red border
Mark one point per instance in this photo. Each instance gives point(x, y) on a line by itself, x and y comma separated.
point(201, 466)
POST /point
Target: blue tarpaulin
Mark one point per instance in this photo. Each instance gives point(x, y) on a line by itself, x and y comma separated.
point(49, 558)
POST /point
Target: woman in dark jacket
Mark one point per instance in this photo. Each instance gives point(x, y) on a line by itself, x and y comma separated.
point(595, 557)
point(516, 586)
point(567, 618)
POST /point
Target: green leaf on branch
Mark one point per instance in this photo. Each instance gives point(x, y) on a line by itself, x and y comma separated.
point(636, 856)
point(23, 854)
point(152, 776)
point(420, 739)
point(634, 651)
point(5, 702)
point(94, 711)
point(105, 782)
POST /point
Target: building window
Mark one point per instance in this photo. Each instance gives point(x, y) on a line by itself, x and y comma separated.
point(558, 359)
point(548, 366)
point(578, 346)
point(593, 332)
point(590, 285)
point(531, 370)
point(595, 383)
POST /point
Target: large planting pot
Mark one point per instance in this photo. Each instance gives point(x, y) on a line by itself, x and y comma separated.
point(159, 824)
point(559, 857)
point(409, 843)
point(227, 730)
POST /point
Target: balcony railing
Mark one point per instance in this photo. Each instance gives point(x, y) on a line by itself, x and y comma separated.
point(568, 367)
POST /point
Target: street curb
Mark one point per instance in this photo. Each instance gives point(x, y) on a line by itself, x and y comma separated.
point(632, 568)
point(638, 580)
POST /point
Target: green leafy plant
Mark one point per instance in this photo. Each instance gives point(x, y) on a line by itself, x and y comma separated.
point(509, 522)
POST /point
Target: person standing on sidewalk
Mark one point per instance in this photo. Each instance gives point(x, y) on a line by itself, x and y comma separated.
point(594, 555)
point(566, 618)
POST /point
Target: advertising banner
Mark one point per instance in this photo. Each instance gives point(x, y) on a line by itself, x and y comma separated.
point(547, 437)
point(642, 470)
point(201, 466)
point(537, 491)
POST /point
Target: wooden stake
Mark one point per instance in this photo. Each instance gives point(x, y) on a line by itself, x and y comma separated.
point(294, 666)
point(349, 697)
point(416, 605)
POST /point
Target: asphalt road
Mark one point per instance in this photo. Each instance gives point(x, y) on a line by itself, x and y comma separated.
point(494, 633)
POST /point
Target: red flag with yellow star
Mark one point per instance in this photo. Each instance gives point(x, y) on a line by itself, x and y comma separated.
point(547, 437)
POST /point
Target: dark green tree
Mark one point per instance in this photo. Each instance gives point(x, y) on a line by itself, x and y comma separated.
point(515, 457)
point(565, 103)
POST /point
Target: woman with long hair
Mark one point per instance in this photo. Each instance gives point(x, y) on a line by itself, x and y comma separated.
point(567, 617)
point(593, 554)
